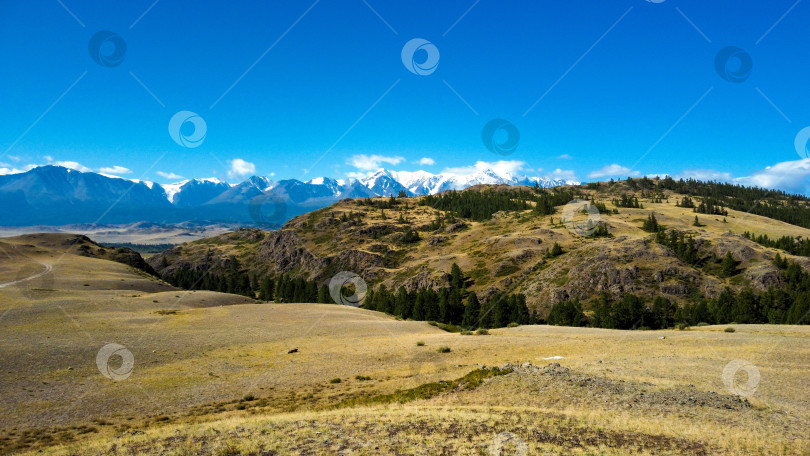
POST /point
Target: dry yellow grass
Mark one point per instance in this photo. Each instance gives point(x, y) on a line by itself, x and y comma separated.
point(198, 355)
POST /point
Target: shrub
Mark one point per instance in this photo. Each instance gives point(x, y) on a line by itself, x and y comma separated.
point(444, 350)
point(482, 332)
point(702, 323)
point(420, 344)
point(249, 398)
point(335, 380)
point(362, 378)
point(682, 326)
point(729, 330)
point(512, 325)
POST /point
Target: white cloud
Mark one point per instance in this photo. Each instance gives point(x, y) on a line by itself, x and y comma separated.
point(427, 161)
point(373, 162)
point(4, 171)
point(567, 174)
point(613, 170)
point(169, 175)
point(501, 167)
point(565, 157)
point(7, 169)
point(72, 165)
point(240, 168)
point(14, 158)
point(358, 175)
point(115, 170)
point(790, 176)
point(48, 158)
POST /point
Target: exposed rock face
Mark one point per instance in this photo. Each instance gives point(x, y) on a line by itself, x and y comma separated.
point(763, 276)
point(456, 227)
point(282, 251)
point(737, 245)
point(275, 253)
point(425, 279)
point(675, 289)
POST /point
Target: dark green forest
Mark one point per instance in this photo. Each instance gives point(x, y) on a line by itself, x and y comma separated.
point(446, 305)
point(791, 245)
point(788, 304)
point(481, 205)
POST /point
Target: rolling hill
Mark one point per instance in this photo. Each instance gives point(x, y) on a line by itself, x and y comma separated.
point(413, 242)
point(213, 373)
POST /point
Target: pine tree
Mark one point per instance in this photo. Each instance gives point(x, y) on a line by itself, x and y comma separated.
point(266, 289)
point(472, 312)
point(728, 267)
point(455, 307)
point(602, 312)
point(323, 295)
point(651, 224)
point(403, 303)
point(457, 278)
point(556, 250)
point(722, 306)
point(419, 306)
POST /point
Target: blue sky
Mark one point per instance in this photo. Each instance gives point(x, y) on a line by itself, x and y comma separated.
point(299, 89)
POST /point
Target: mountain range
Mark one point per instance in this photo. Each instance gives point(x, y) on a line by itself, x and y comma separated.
point(55, 195)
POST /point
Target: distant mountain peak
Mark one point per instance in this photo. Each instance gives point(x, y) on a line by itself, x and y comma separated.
point(55, 195)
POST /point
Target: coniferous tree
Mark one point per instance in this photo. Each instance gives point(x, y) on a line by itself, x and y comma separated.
point(722, 306)
point(603, 312)
point(729, 266)
point(455, 307)
point(629, 312)
point(566, 313)
point(472, 312)
point(323, 295)
point(663, 313)
point(651, 224)
point(746, 308)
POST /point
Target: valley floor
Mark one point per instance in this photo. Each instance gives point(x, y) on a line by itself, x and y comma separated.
point(219, 374)
point(220, 380)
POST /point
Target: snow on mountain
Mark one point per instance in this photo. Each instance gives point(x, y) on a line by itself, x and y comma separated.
point(58, 195)
point(172, 189)
point(383, 183)
point(193, 192)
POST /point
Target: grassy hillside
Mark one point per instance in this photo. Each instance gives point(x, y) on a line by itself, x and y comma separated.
point(413, 242)
point(218, 374)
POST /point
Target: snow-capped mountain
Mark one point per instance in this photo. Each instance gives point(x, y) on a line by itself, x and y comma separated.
point(53, 195)
point(193, 192)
